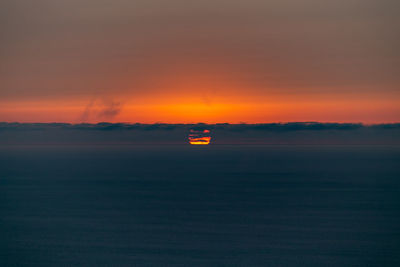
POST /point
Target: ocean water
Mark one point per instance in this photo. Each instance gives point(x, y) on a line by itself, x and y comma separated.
point(199, 206)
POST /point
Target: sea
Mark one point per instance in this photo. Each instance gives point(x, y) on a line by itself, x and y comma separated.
point(215, 205)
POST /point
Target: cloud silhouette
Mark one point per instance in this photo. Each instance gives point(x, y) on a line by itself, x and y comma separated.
point(110, 110)
point(114, 108)
point(87, 111)
point(101, 109)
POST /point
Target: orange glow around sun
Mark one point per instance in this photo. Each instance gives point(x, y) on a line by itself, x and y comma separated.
point(178, 108)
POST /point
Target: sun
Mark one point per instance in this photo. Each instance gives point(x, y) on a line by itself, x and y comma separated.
point(199, 137)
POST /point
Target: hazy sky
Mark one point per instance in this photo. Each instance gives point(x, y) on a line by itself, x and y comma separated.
point(191, 61)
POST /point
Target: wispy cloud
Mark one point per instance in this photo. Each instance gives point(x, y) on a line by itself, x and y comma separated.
point(110, 110)
point(103, 109)
point(87, 111)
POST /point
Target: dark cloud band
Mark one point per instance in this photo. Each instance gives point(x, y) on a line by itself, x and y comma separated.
point(273, 133)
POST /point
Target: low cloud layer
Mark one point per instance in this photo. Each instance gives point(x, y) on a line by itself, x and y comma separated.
point(275, 133)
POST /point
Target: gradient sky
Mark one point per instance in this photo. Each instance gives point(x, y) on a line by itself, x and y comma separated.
point(199, 61)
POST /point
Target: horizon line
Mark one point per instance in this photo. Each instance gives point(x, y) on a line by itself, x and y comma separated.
point(204, 123)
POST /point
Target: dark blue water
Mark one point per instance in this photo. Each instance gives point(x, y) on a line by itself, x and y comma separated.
point(199, 206)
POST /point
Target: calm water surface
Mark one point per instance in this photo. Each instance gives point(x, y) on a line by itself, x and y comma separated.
point(199, 206)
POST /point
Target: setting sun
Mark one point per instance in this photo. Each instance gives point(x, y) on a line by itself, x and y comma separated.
point(197, 137)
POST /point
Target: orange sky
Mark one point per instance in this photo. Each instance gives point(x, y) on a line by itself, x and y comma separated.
point(179, 109)
point(199, 61)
